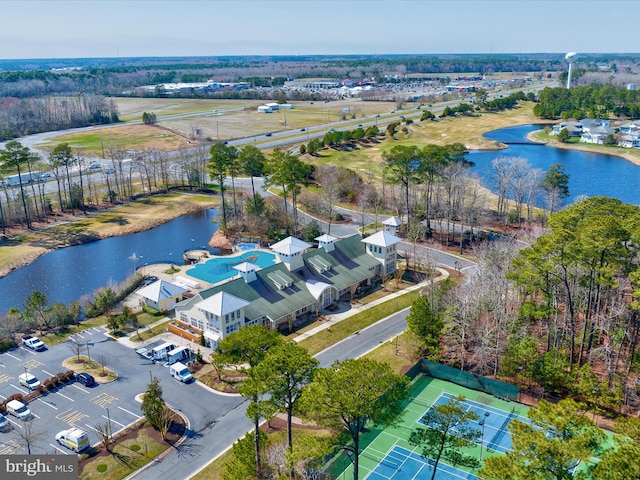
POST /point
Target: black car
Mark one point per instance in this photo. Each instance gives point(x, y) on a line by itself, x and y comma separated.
point(267, 134)
point(85, 379)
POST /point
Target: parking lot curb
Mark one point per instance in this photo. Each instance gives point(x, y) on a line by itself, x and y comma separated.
point(213, 390)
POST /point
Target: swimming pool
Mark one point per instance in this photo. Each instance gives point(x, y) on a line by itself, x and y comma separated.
point(246, 246)
point(218, 269)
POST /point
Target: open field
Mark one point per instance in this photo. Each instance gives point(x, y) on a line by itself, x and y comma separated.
point(240, 118)
point(121, 138)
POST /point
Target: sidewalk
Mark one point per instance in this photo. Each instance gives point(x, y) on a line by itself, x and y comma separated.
point(164, 337)
point(332, 319)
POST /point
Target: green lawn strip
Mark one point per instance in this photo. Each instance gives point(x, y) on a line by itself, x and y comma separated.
point(147, 333)
point(341, 330)
point(125, 459)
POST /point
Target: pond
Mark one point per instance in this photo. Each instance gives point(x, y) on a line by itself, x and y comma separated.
point(67, 274)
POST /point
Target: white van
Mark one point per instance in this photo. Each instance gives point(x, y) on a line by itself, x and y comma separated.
point(177, 355)
point(179, 371)
point(159, 353)
point(29, 381)
point(18, 409)
point(74, 438)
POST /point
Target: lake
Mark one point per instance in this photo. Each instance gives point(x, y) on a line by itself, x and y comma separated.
point(590, 174)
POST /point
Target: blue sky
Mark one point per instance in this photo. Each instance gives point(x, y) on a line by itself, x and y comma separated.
point(110, 28)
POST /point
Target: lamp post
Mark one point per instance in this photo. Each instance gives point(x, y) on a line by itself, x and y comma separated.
point(109, 423)
point(481, 423)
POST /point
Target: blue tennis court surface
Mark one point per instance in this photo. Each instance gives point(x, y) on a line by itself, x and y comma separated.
point(496, 435)
point(403, 464)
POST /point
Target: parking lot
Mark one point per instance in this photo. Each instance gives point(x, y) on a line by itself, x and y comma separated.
point(85, 407)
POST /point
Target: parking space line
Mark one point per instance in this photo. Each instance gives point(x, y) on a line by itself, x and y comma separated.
point(71, 416)
point(112, 420)
point(3, 397)
point(59, 449)
point(79, 335)
point(81, 389)
point(37, 416)
point(9, 448)
point(88, 332)
point(13, 356)
point(64, 396)
point(92, 428)
point(14, 422)
point(3, 365)
point(130, 413)
point(97, 329)
point(27, 350)
point(21, 390)
point(48, 404)
point(31, 364)
point(103, 399)
point(50, 374)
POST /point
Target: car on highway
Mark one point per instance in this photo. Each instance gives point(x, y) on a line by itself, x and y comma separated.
point(268, 134)
point(28, 380)
point(85, 379)
point(360, 125)
point(303, 129)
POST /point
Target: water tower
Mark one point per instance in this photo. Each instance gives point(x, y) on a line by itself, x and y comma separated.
point(569, 57)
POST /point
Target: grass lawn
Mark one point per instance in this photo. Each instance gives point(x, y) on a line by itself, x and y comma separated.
point(128, 456)
point(147, 333)
point(341, 330)
point(84, 364)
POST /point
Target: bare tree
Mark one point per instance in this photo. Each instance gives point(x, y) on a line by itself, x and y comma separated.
point(105, 434)
point(327, 175)
point(28, 435)
point(76, 348)
point(103, 360)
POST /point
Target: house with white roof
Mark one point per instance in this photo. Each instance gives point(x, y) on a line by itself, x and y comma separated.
point(162, 295)
point(392, 225)
point(304, 281)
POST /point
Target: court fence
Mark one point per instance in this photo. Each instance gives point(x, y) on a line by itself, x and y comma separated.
point(499, 389)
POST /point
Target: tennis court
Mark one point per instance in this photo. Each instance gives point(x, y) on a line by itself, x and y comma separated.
point(492, 422)
point(387, 454)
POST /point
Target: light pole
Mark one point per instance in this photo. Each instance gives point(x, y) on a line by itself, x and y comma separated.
point(109, 423)
point(481, 423)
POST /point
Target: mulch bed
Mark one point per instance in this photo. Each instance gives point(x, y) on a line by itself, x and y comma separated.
point(175, 433)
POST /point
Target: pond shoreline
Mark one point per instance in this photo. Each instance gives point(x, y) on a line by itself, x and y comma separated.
point(133, 217)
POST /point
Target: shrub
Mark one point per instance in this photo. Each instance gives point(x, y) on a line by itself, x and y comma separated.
point(49, 385)
point(101, 468)
point(7, 345)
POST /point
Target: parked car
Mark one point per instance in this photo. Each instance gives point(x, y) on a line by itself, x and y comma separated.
point(85, 379)
point(18, 409)
point(34, 343)
point(4, 423)
point(28, 380)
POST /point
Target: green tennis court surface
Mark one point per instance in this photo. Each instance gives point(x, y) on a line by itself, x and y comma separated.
point(386, 449)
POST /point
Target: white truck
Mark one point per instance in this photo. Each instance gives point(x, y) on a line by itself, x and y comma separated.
point(13, 180)
point(74, 438)
point(178, 355)
point(34, 343)
point(179, 371)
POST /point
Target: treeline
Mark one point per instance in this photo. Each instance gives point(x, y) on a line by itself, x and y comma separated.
point(20, 117)
point(559, 317)
point(593, 101)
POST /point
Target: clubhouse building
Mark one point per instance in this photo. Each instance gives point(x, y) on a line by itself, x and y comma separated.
point(303, 281)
